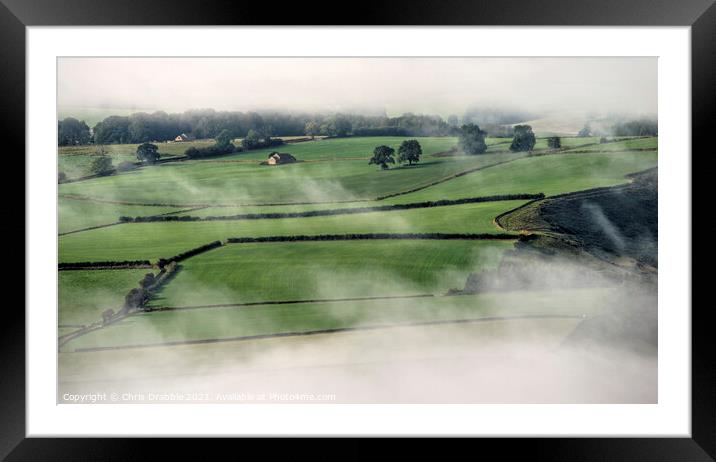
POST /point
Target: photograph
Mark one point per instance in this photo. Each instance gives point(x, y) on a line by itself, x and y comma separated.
point(375, 230)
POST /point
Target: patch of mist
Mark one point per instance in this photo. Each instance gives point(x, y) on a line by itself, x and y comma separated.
point(438, 364)
point(608, 358)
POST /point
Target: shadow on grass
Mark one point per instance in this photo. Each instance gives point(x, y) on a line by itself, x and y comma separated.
point(157, 295)
point(418, 165)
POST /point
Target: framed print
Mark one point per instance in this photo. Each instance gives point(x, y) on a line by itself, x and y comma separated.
point(414, 221)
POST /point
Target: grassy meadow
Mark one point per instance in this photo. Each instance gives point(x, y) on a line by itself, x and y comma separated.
point(237, 183)
point(331, 174)
point(135, 241)
point(84, 295)
point(75, 214)
point(240, 273)
point(75, 161)
point(549, 174)
point(217, 323)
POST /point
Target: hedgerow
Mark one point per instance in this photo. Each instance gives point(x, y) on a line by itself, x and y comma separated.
point(162, 262)
point(329, 212)
point(105, 264)
point(349, 237)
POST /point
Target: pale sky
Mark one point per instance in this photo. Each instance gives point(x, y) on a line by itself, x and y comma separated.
point(421, 85)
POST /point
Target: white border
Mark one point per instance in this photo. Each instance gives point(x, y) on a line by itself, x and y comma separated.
point(670, 417)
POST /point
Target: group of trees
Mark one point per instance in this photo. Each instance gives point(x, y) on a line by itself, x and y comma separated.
point(641, 127)
point(471, 139)
point(71, 131)
point(159, 126)
point(101, 164)
point(222, 145)
point(259, 138)
point(144, 127)
point(338, 125)
point(409, 151)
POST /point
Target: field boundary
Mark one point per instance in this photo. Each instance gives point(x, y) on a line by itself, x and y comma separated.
point(288, 302)
point(497, 219)
point(370, 327)
point(534, 154)
point(90, 228)
point(79, 197)
point(374, 236)
point(109, 316)
point(198, 206)
point(447, 178)
point(162, 262)
point(330, 212)
point(105, 265)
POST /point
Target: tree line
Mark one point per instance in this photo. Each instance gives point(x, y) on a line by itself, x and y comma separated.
point(143, 127)
point(637, 127)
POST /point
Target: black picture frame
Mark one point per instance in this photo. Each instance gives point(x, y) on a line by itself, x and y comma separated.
point(16, 15)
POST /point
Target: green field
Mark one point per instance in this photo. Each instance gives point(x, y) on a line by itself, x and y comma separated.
point(84, 295)
point(621, 145)
point(135, 241)
point(239, 183)
point(239, 273)
point(130, 150)
point(345, 148)
point(332, 174)
point(75, 161)
point(210, 323)
point(74, 214)
point(552, 174)
point(495, 145)
point(224, 211)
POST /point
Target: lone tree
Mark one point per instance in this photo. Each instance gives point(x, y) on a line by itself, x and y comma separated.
point(337, 126)
point(223, 141)
point(148, 153)
point(554, 142)
point(147, 280)
point(472, 140)
point(252, 140)
point(101, 165)
point(135, 299)
point(524, 139)
point(312, 129)
point(382, 155)
point(584, 132)
point(409, 151)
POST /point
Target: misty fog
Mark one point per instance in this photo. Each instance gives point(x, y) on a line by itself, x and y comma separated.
point(440, 86)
